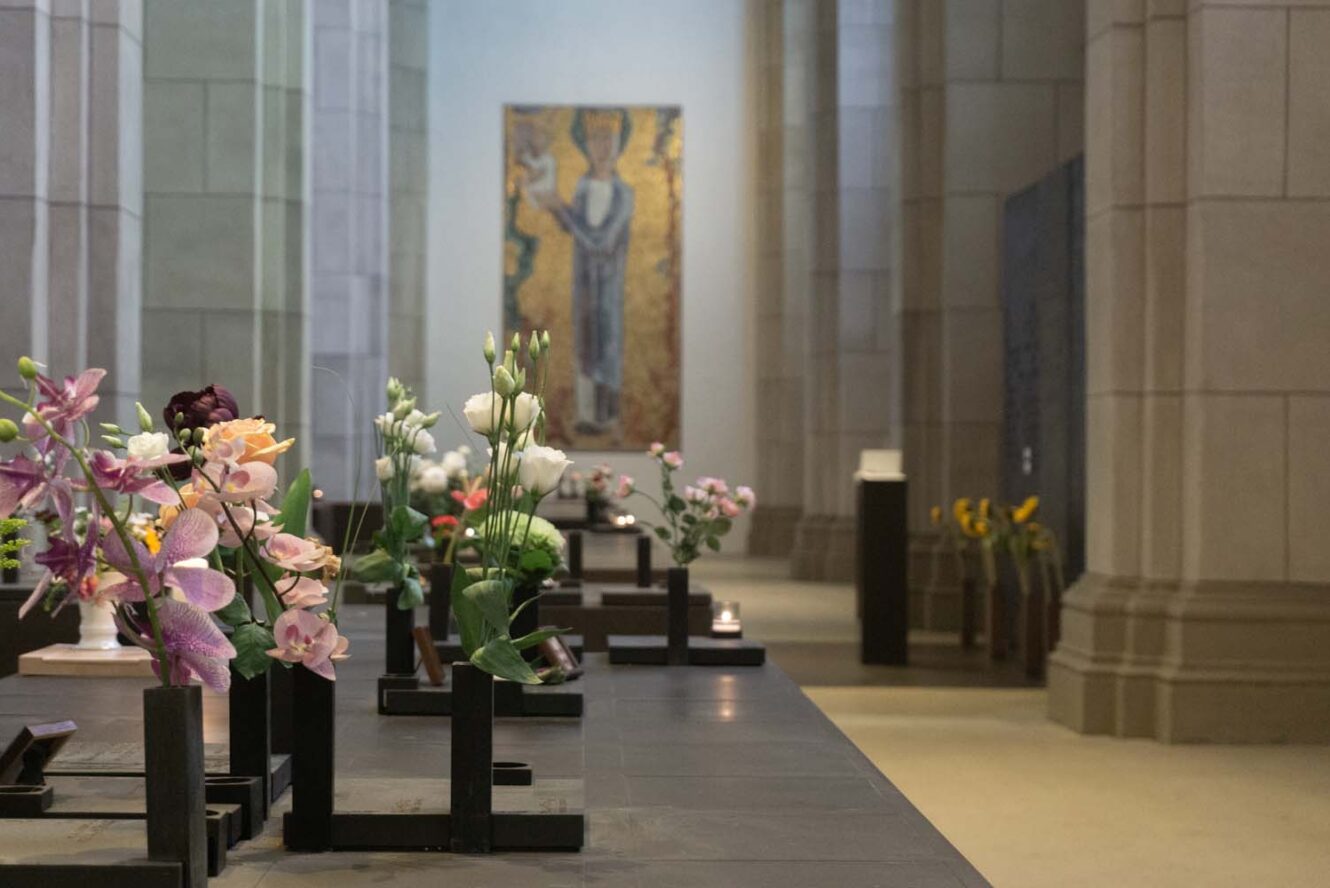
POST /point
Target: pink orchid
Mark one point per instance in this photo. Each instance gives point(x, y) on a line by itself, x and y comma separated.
point(673, 459)
point(195, 646)
point(66, 560)
point(193, 535)
point(729, 508)
point(302, 592)
point(293, 553)
point(133, 475)
point(304, 637)
point(66, 402)
point(24, 484)
point(626, 486)
point(238, 484)
point(252, 523)
point(744, 496)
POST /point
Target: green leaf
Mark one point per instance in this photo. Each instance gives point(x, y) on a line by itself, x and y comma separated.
point(236, 613)
point(501, 659)
point(252, 642)
point(535, 638)
point(721, 526)
point(675, 504)
point(295, 505)
point(536, 561)
point(405, 523)
point(376, 567)
point(663, 533)
point(713, 544)
point(411, 594)
point(481, 608)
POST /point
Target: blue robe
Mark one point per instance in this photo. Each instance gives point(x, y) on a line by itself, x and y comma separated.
point(600, 256)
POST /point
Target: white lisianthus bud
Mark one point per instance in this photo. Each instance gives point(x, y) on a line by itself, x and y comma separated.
point(429, 420)
point(523, 441)
point(516, 344)
point(434, 479)
point(489, 347)
point(422, 442)
point(404, 408)
point(149, 445)
point(504, 384)
point(383, 467)
point(145, 418)
point(541, 468)
point(482, 412)
point(526, 407)
point(545, 341)
point(533, 346)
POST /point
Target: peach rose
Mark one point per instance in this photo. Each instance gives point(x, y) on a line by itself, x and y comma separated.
point(255, 435)
point(167, 513)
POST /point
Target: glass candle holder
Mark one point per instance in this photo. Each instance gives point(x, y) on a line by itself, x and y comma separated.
point(725, 622)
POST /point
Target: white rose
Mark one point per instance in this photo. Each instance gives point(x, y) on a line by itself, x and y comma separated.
point(149, 445)
point(422, 441)
point(482, 412)
point(434, 479)
point(525, 410)
point(454, 464)
point(383, 467)
point(541, 468)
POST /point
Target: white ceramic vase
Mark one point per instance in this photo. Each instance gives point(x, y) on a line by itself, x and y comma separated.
point(97, 629)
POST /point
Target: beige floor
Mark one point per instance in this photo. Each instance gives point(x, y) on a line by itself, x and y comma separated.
point(1035, 805)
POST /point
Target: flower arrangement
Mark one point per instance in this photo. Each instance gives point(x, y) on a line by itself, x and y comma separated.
point(699, 516)
point(993, 528)
point(439, 489)
point(403, 436)
point(514, 546)
point(211, 532)
point(11, 543)
point(597, 483)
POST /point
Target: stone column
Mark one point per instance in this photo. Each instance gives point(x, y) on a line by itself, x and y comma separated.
point(225, 285)
point(851, 376)
point(408, 171)
point(70, 210)
point(1204, 613)
point(348, 227)
point(991, 101)
point(779, 393)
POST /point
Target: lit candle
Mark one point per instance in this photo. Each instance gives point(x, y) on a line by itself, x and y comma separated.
point(725, 619)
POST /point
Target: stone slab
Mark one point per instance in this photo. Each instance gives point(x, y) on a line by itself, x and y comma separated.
point(68, 660)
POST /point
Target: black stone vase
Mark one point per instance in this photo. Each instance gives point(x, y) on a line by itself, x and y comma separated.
point(595, 513)
point(470, 819)
point(173, 770)
point(400, 653)
point(528, 620)
point(676, 584)
point(440, 599)
point(644, 562)
point(249, 705)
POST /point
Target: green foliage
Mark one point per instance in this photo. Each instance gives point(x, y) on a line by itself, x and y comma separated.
point(252, 641)
point(294, 516)
point(11, 542)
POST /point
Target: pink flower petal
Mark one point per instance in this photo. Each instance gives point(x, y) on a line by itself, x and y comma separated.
point(193, 535)
point(203, 586)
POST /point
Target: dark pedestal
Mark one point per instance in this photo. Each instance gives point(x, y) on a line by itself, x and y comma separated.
point(398, 623)
point(440, 599)
point(880, 571)
point(526, 616)
point(575, 555)
point(250, 707)
point(472, 759)
point(643, 561)
point(308, 825)
point(676, 580)
point(403, 695)
point(173, 765)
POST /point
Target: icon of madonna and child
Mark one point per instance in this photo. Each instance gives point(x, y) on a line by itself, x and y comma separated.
point(592, 253)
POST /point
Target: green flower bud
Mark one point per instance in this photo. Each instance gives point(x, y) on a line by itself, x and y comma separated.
point(510, 361)
point(199, 434)
point(114, 440)
point(545, 341)
point(520, 380)
point(8, 430)
point(111, 428)
point(516, 345)
point(489, 348)
point(533, 346)
point(429, 420)
point(184, 438)
point(403, 408)
point(504, 384)
point(27, 368)
point(179, 419)
point(145, 419)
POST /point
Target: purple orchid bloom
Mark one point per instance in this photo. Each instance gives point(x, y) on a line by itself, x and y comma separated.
point(195, 646)
point(66, 403)
point(193, 535)
point(26, 483)
point(132, 475)
point(67, 560)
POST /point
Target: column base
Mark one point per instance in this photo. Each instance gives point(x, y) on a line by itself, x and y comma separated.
point(1231, 662)
point(823, 549)
point(772, 529)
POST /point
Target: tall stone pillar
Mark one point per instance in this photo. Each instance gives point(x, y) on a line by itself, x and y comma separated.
point(851, 374)
point(348, 239)
point(70, 210)
point(225, 282)
point(408, 173)
point(1204, 614)
point(779, 398)
point(991, 100)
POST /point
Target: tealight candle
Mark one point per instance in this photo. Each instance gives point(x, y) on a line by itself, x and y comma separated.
point(725, 621)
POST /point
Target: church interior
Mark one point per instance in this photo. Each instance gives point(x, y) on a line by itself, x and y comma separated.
point(692, 443)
